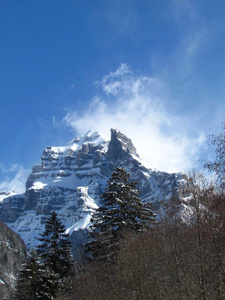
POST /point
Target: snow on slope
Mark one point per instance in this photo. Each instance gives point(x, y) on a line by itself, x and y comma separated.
point(71, 179)
point(6, 194)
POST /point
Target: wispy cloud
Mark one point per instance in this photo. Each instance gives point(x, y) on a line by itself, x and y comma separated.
point(13, 178)
point(135, 105)
point(196, 33)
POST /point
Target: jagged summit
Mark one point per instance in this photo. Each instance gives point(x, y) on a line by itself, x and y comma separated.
point(90, 136)
point(119, 146)
point(71, 180)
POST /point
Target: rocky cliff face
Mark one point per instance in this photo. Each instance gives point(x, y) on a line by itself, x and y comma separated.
point(71, 179)
point(12, 252)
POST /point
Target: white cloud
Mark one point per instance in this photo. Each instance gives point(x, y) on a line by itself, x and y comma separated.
point(14, 178)
point(135, 106)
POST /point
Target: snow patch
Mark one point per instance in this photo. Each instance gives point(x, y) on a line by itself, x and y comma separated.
point(38, 185)
point(81, 224)
point(6, 194)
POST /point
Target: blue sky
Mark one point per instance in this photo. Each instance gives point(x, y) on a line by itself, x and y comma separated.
point(154, 69)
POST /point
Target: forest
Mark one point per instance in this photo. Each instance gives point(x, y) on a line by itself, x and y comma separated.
point(133, 253)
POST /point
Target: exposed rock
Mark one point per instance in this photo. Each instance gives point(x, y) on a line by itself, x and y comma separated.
point(119, 146)
point(71, 179)
point(12, 253)
point(11, 208)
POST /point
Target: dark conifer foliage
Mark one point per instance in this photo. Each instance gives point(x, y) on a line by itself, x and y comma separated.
point(49, 269)
point(31, 281)
point(55, 248)
point(121, 211)
point(172, 261)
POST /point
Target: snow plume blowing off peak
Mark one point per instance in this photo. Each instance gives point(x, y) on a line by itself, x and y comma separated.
point(71, 180)
point(136, 106)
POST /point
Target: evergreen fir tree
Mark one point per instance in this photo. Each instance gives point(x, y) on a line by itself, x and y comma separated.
point(122, 211)
point(30, 284)
point(55, 253)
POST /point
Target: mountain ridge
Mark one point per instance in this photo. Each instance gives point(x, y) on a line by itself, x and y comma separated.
point(71, 179)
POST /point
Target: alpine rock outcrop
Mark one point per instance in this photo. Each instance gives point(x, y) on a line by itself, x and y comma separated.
point(12, 254)
point(71, 179)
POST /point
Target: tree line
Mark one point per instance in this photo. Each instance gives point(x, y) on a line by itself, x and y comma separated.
point(131, 254)
point(173, 260)
point(50, 269)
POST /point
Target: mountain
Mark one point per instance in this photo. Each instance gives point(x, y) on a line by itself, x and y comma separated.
point(71, 179)
point(12, 252)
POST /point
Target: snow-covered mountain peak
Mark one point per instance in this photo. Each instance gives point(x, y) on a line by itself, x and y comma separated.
point(120, 146)
point(71, 180)
point(90, 137)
